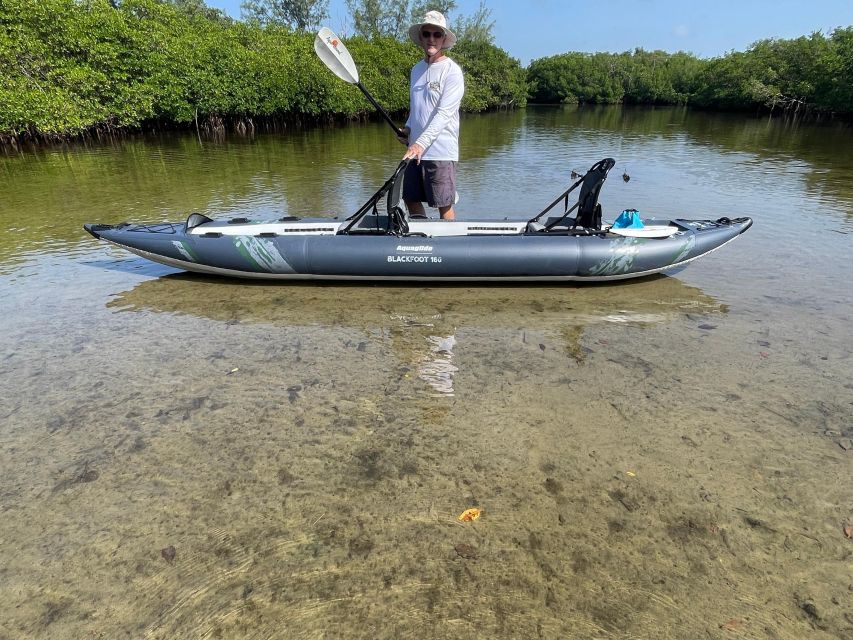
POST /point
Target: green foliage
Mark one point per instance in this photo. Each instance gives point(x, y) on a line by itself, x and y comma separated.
point(198, 7)
point(477, 27)
point(67, 66)
point(643, 77)
point(420, 7)
point(378, 18)
point(791, 74)
point(492, 78)
point(299, 14)
point(840, 93)
point(807, 73)
point(384, 64)
point(577, 77)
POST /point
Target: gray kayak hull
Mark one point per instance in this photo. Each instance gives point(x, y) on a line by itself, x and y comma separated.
point(478, 251)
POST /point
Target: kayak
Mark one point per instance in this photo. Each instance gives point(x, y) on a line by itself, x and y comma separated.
point(381, 242)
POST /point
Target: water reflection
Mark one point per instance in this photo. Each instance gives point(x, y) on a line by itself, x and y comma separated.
point(731, 151)
point(413, 307)
point(649, 300)
point(437, 368)
point(422, 326)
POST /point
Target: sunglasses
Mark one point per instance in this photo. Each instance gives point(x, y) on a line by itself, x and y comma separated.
point(434, 34)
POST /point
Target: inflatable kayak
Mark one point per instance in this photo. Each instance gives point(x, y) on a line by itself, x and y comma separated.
point(380, 242)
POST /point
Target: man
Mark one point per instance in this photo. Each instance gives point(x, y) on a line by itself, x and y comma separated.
point(432, 130)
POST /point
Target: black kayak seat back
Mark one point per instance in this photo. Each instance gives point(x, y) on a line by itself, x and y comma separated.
point(589, 210)
point(395, 192)
point(395, 218)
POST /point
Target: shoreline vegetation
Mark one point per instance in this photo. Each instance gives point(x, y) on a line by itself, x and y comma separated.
point(78, 69)
point(810, 75)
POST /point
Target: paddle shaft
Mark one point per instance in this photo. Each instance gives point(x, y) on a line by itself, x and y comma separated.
point(399, 132)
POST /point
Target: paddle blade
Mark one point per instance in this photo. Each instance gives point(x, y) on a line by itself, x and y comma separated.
point(334, 55)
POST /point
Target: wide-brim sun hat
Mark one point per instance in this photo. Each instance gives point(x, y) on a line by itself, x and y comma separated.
point(435, 19)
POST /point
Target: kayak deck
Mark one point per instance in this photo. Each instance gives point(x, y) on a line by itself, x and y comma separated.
point(429, 228)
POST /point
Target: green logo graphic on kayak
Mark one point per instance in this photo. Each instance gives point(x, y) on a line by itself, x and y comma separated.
point(686, 248)
point(262, 254)
point(623, 253)
point(185, 250)
point(620, 259)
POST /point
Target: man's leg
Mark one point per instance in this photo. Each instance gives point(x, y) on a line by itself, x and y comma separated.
point(440, 187)
point(416, 209)
point(413, 191)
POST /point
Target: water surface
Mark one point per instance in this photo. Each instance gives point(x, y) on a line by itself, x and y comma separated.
point(667, 458)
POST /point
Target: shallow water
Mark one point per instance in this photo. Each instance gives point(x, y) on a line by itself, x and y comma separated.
point(203, 458)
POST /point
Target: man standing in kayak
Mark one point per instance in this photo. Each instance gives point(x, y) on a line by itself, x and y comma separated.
point(432, 131)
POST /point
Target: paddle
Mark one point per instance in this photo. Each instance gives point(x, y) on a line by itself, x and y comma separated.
point(334, 55)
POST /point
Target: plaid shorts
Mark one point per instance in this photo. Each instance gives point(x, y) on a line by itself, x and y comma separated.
point(431, 181)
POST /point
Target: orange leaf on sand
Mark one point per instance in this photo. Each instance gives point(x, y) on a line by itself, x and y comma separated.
point(469, 514)
point(848, 531)
point(733, 625)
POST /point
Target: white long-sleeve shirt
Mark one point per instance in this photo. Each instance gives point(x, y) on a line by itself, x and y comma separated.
point(435, 92)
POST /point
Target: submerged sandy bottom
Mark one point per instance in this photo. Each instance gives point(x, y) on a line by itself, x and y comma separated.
point(198, 459)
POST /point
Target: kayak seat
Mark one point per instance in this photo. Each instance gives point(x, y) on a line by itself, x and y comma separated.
point(588, 214)
point(395, 215)
point(589, 210)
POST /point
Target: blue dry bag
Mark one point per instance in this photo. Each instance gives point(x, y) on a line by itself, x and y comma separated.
point(628, 219)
